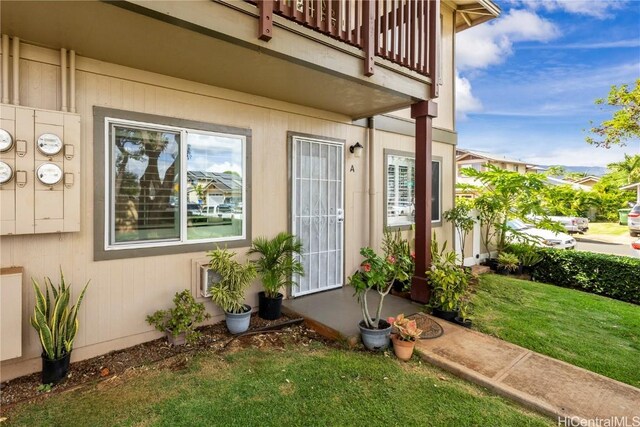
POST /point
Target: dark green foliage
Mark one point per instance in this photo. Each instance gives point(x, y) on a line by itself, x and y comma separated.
point(277, 263)
point(528, 255)
point(182, 318)
point(609, 275)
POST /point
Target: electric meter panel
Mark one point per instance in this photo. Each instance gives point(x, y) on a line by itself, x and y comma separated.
point(49, 173)
point(49, 144)
point(39, 171)
point(6, 141)
point(6, 173)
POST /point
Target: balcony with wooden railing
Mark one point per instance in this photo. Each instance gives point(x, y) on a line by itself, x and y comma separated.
point(404, 32)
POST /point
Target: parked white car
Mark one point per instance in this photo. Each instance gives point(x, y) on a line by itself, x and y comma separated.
point(633, 219)
point(523, 233)
point(571, 224)
point(635, 248)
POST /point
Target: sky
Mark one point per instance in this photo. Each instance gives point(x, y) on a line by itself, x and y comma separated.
point(526, 82)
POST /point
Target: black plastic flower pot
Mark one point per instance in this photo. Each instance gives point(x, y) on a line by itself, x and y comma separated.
point(492, 263)
point(269, 308)
point(467, 323)
point(400, 286)
point(444, 314)
point(53, 371)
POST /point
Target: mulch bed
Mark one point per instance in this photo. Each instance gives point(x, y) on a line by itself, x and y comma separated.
point(215, 338)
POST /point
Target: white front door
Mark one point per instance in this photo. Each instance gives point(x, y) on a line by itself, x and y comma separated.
point(317, 216)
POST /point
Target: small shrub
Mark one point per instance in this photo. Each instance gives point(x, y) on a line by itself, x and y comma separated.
point(609, 275)
point(181, 318)
point(508, 262)
point(528, 255)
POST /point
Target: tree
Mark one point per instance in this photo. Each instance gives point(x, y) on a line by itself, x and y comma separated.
point(555, 171)
point(628, 169)
point(460, 217)
point(505, 195)
point(625, 123)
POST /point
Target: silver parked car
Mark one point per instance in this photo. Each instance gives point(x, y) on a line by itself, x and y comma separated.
point(633, 219)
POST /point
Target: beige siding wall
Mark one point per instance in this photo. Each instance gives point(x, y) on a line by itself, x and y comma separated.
point(446, 96)
point(123, 292)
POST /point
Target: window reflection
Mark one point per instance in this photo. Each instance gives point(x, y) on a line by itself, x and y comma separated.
point(215, 197)
point(145, 184)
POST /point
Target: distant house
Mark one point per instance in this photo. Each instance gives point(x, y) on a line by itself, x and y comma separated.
point(479, 160)
point(589, 181)
point(213, 188)
point(575, 185)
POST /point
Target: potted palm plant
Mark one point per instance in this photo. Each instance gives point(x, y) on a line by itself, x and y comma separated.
point(404, 340)
point(378, 274)
point(179, 322)
point(277, 265)
point(228, 291)
point(57, 326)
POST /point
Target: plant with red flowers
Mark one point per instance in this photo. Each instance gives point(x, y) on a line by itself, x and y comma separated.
point(406, 329)
point(376, 273)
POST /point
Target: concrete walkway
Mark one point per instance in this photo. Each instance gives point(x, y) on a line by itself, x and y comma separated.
point(550, 386)
point(547, 385)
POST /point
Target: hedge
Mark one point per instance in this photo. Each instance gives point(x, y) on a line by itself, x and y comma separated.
point(613, 276)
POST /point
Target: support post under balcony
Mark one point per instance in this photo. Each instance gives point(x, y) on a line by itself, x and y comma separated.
point(265, 26)
point(369, 36)
point(423, 112)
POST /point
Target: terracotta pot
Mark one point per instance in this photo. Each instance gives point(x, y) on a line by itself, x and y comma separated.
point(402, 349)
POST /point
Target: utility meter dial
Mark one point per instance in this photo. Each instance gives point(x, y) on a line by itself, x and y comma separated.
point(6, 141)
point(49, 144)
point(49, 173)
point(6, 173)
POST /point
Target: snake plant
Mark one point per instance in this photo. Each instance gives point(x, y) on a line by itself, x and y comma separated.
point(55, 321)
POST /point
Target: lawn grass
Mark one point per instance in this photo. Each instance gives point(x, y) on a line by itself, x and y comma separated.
point(596, 333)
point(295, 387)
point(608, 228)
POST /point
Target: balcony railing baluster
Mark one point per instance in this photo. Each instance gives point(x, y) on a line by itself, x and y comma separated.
point(402, 31)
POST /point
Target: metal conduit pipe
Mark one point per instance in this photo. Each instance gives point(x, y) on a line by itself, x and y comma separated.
point(372, 183)
point(5, 68)
point(72, 81)
point(16, 70)
point(63, 79)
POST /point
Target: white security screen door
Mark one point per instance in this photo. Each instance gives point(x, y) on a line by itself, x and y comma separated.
point(318, 212)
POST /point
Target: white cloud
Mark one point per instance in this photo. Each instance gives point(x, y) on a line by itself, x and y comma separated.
point(490, 44)
point(465, 101)
point(594, 8)
point(224, 167)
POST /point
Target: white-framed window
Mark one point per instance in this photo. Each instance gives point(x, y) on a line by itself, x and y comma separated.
point(400, 189)
point(168, 185)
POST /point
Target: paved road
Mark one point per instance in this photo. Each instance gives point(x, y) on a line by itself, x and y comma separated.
point(585, 244)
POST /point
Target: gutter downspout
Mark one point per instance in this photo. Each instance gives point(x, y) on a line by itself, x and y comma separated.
point(373, 224)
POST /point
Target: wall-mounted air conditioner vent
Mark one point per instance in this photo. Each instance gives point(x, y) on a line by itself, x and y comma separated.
point(207, 278)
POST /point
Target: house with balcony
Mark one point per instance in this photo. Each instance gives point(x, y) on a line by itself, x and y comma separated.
point(332, 116)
